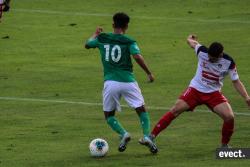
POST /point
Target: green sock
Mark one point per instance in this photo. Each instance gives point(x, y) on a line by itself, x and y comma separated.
point(145, 123)
point(115, 125)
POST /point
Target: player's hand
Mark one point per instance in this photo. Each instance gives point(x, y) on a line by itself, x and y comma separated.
point(248, 101)
point(193, 37)
point(151, 78)
point(192, 40)
point(98, 30)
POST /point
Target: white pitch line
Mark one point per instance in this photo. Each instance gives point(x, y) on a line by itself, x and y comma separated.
point(49, 101)
point(61, 12)
point(95, 104)
point(138, 17)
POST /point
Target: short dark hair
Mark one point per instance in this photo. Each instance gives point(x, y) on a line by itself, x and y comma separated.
point(121, 20)
point(215, 49)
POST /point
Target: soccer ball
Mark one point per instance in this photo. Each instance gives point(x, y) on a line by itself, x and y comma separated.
point(98, 147)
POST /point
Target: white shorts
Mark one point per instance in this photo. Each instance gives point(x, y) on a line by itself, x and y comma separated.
point(113, 91)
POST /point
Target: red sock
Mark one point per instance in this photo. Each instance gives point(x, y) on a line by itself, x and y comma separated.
point(165, 120)
point(227, 131)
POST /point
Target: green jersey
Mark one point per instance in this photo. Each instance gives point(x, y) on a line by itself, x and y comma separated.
point(116, 51)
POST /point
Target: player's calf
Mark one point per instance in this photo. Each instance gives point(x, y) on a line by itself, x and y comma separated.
point(227, 131)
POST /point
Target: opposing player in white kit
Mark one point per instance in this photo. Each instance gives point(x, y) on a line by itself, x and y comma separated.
point(213, 66)
point(116, 49)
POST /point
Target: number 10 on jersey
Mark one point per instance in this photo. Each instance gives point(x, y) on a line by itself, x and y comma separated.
point(115, 53)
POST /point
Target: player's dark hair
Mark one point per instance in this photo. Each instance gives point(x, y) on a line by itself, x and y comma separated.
point(215, 49)
point(121, 20)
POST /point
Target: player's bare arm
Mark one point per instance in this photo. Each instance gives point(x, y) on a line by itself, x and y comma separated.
point(95, 34)
point(192, 41)
point(140, 61)
point(238, 85)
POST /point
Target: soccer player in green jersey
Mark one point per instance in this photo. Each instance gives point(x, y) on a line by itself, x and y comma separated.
point(116, 49)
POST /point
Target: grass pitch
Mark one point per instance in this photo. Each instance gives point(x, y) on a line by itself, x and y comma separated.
point(50, 87)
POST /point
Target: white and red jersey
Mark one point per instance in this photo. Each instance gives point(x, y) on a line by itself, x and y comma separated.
point(209, 76)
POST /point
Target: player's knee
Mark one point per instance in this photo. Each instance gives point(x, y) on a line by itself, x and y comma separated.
point(228, 117)
point(109, 114)
point(175, 111)
point(179, 107)
point(140, 110)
